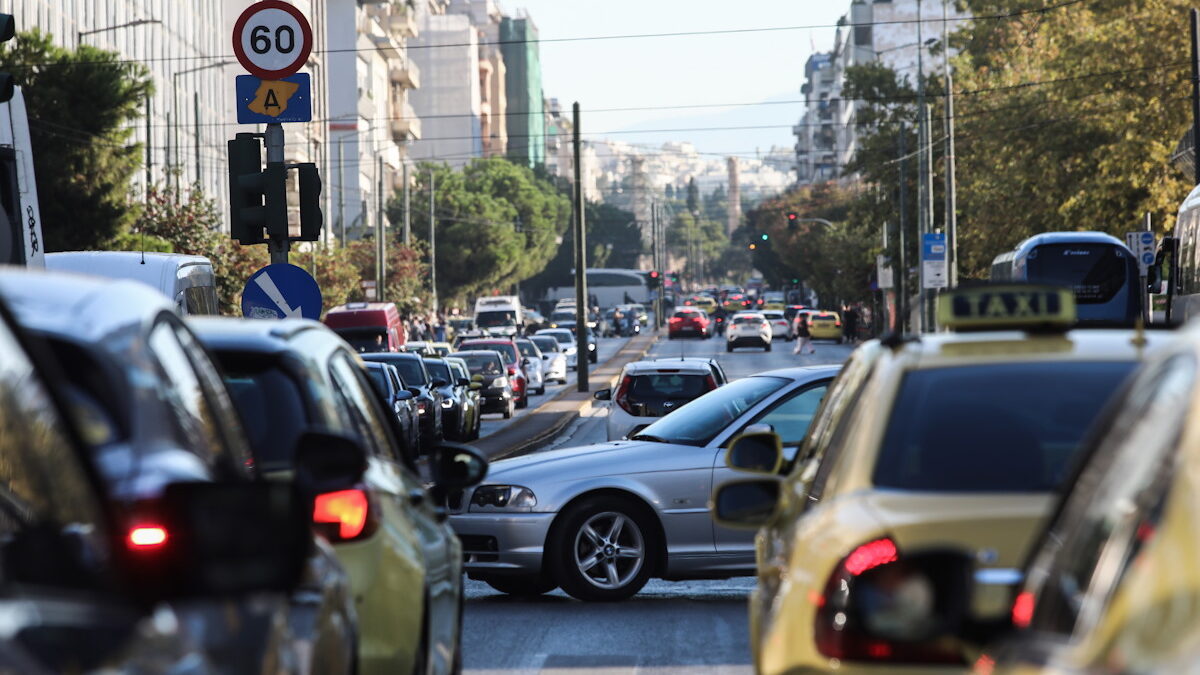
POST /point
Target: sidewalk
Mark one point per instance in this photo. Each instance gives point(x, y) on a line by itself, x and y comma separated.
point(540, 426)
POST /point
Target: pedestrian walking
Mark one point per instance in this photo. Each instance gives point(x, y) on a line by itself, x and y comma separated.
point(850, 321)
point(803, 337)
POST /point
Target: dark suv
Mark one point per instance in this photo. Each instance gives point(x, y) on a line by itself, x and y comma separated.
point(423, 387)
point(511, 355)
point(487, 368)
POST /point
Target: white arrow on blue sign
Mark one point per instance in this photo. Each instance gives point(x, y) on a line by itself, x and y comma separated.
point(281, 291)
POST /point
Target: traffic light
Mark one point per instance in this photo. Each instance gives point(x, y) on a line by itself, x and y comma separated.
point(311, 218)
point(257, 196)
point(792, 217)
point(753, 246)
point(655, 279)
point(8, 30)
point(765, 236)
point(674, 277)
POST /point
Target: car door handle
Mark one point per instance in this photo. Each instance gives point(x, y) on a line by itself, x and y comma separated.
point(416, 497)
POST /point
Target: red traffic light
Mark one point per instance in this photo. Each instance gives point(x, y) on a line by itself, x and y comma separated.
point(792, 216)
point(654, 275)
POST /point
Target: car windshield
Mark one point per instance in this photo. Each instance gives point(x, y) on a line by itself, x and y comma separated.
point(272, 408)
point(410, 369)
point(438, 370)
point(993, 428)
point(563, 338)
point(528, 349)
point(493, 319)
point(562, 317)
point(372, 339)
point(483, 364)
point(740, 320)
point(506, 351)
point(378, 377)
point(700, 421)
point(546, 343)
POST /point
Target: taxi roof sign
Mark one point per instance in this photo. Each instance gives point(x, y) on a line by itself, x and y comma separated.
point(1012, 307)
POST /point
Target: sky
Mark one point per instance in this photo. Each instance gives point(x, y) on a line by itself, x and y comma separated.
point(682, 70)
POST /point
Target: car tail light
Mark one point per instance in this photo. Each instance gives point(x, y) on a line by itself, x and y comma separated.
point(622, 397)
point(1022, 610)
point(836, 629)
point(710, 382)
point(146, 537)
point(344, 515)
point(837, 323)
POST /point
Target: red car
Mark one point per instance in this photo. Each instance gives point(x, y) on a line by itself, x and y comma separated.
point(511, 355)
point(689, 321)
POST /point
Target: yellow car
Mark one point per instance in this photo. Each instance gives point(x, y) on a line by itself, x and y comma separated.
point(823, 325)
point(954, 440)
point(704, 302)
point(773, 300)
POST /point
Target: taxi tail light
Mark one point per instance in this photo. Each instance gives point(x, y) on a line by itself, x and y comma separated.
point(836, 631)
point(710, 383)
point(1022, 610)
point(344, 515)
point(147, 537)
point(622, 396)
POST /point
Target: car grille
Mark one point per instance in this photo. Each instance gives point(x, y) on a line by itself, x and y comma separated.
point(480, 548)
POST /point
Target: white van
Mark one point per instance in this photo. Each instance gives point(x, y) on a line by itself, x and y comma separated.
point(499, 315)
point(20, 216)
point(188, 280)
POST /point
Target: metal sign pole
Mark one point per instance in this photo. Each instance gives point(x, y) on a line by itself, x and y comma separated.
point(581, 299)
point(280, 244)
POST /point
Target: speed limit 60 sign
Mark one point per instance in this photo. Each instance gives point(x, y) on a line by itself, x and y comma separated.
point(272, 39)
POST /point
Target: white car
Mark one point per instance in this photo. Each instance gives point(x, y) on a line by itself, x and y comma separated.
point(533, 365)
point(554, 358)
point(748, 329)
point(780, 326)
point(566, 340)
point(648, 390)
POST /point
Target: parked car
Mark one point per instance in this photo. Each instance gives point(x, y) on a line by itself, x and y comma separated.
point(456, 402)
point(748, 329)
point(527, 530)
point(511, 356)
point(368, 326)
point(429, 399)
point(82, 592)
point(403, 561)
point(566, 340)
point(487, 368)
point(554, 358)
point(154, 414)
point(395, 396)
point(531, 359)
point(186, 280)
point(781, 328)
point(474, 403)
point(648, 390)
point(689, 321)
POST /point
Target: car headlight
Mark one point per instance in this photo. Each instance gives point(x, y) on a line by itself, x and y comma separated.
point(447, 403)
point(503, 498)
point(591, 347)
point(500, 382)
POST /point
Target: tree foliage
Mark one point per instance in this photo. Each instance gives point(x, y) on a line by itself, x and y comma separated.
point(82, 104)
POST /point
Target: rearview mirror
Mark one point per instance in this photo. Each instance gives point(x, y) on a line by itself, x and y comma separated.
point(462, 382)
point(457, 466)
point(603, 395)
point(439, 383)
point(746, 505)
point(404, 395)
point(758, 452)
point(327, 461)
point(221, 539)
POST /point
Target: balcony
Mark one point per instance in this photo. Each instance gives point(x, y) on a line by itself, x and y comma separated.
point(387, 46)
point(401, 22)
point(407, 75)
point(406, 126)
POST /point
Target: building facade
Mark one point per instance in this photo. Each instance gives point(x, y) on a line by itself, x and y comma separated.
point(449, 101)
point(523, 84)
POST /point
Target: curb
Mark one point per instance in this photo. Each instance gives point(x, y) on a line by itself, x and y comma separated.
point(568, 412)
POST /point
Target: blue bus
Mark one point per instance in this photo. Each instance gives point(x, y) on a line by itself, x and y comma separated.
point(1099, 268)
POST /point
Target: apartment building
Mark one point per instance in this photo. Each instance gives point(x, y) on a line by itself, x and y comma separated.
point(523, 84)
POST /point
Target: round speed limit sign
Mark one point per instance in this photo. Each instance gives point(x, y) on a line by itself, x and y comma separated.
point(272, 39)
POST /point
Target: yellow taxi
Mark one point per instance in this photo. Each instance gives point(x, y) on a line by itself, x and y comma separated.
point(704, 302)
point(824, 325)
point(954, 440)
point(774, 300)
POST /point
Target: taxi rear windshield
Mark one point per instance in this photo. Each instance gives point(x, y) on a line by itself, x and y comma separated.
point(993, 428)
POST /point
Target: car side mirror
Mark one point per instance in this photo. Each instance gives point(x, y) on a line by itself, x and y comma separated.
point(545, 357)
point(456, 466)
point(327, 462)
point(415, 391)
point(756, 451)
point(210, 539)
point(746, 505)
point(462, 382)
point(525, 362)
point(438, 383)
point(603, 395)
point(404, 395)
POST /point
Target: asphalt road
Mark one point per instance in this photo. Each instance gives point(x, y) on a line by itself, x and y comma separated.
point(669, 628)
point(494, 422)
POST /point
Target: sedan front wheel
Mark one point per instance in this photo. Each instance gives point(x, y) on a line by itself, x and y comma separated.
point(602, 550)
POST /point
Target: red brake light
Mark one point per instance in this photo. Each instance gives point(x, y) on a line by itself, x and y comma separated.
point(710, 382)
point(1022, 610)
point(146, 538)
point(869, 556)
point(622, 396)
point(349, 511)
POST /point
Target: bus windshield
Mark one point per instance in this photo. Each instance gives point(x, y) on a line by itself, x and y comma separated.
point(493, 319)
point(1096, 272)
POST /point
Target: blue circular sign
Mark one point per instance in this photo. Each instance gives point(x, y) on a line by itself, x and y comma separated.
point(1147, 237)
point(281, 291)
point(1148, 258)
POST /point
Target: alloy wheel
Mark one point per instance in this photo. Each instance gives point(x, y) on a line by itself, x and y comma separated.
point(609, 550)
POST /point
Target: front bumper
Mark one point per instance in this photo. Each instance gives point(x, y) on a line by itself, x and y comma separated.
point(494, 400)
point(502, 543)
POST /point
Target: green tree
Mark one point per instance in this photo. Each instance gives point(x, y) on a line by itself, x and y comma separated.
point(81, 106)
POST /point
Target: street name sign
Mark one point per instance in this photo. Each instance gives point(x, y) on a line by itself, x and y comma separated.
point(272, 39)
point(933, 261)
point(883, 272)
point(281, 291)
point(270, 101)
point(1142, 245)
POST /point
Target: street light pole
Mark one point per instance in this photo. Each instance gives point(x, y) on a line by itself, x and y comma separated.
point(432, 245)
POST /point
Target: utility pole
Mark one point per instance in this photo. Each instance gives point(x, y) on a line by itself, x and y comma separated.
point(341, 193)
point(581, 296)
point(922, 176)
point(279, 243)
point(1195, 97)
point(381, 243)
point(149, 152)
point(407, 211)
point(432, 244)
point(196, 133)
point(902, 277)
point(927, 315)
point(951, 215)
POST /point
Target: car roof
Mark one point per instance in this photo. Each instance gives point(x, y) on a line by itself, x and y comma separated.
point(660, 365)
point(267, 336)
point(84, 308)
point(462, 354)
point(391, 356)
point(1088, 344)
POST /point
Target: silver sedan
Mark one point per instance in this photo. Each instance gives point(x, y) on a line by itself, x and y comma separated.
point(599, 521)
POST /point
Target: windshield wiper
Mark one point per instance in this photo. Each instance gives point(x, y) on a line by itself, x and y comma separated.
point(648, 437)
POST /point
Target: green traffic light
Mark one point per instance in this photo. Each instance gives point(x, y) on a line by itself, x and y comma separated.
point(765, 236)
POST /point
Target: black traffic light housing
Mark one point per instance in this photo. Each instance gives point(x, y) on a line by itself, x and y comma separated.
point(654, 279)
point(8, 30)
point(311, 218)
point(792, 218)
point(257, 196)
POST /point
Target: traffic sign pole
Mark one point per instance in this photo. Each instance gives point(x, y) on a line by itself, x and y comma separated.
point(280, 244)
